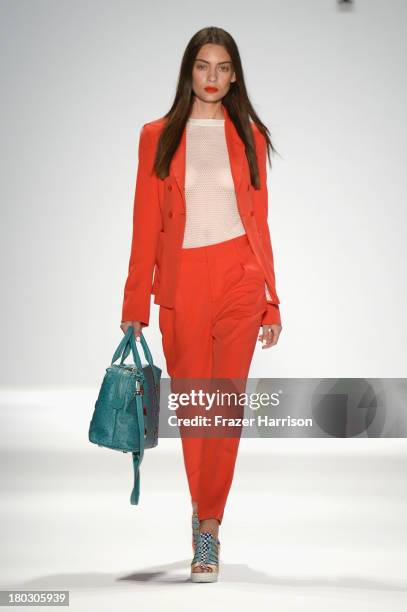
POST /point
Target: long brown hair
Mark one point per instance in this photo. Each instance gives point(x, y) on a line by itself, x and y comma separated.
point(236, 102)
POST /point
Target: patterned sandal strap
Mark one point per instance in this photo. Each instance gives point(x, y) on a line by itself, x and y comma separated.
point(206, 552)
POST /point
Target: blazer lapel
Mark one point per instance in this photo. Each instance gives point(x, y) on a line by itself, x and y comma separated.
point(235, 149)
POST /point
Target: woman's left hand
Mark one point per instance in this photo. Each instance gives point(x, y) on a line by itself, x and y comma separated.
point(270, 335)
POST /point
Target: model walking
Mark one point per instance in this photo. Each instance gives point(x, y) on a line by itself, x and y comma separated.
point(200, 224)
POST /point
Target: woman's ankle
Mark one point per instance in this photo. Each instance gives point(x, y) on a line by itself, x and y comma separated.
point(211, 525)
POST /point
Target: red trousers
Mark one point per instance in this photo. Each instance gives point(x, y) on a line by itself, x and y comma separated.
point(211, 332)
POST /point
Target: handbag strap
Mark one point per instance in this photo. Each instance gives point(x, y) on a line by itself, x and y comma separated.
point(138, 456)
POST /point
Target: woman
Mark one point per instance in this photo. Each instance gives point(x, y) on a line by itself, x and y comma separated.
point(200, 224)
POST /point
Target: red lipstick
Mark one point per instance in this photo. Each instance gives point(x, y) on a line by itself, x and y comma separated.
point(211, 89)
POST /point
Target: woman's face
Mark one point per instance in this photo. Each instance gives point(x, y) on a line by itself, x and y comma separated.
point(212, 73)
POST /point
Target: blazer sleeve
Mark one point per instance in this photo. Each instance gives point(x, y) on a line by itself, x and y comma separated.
point(146, 229)
point(272, 315)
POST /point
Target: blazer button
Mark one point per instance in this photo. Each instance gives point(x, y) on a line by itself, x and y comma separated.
point(170, 213)
point(169, 187)
point(251, 213)
point(248, 186)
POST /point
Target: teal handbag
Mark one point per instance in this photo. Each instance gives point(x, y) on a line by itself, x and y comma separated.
point(126, 413)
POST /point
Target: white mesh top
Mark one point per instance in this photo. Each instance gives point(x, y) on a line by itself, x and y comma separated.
point(212, 214)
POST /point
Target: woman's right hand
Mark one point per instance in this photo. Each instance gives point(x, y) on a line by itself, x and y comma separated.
point(137, 328)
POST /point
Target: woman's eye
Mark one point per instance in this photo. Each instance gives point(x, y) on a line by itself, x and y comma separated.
point(200, 66)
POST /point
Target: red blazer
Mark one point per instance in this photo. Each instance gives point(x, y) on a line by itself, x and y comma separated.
point(159, 221)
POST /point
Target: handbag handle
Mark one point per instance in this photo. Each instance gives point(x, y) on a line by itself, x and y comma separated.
point(122, 344)
point(128, 343)
point(146, 350)
point(147, 354)
point(124, 348)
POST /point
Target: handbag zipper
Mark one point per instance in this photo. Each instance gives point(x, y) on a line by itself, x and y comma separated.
point(139, 388)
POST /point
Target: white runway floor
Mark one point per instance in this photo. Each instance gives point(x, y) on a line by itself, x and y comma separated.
point(309, 525)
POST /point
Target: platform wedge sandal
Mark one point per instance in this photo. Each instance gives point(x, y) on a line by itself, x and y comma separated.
point(205, 564)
